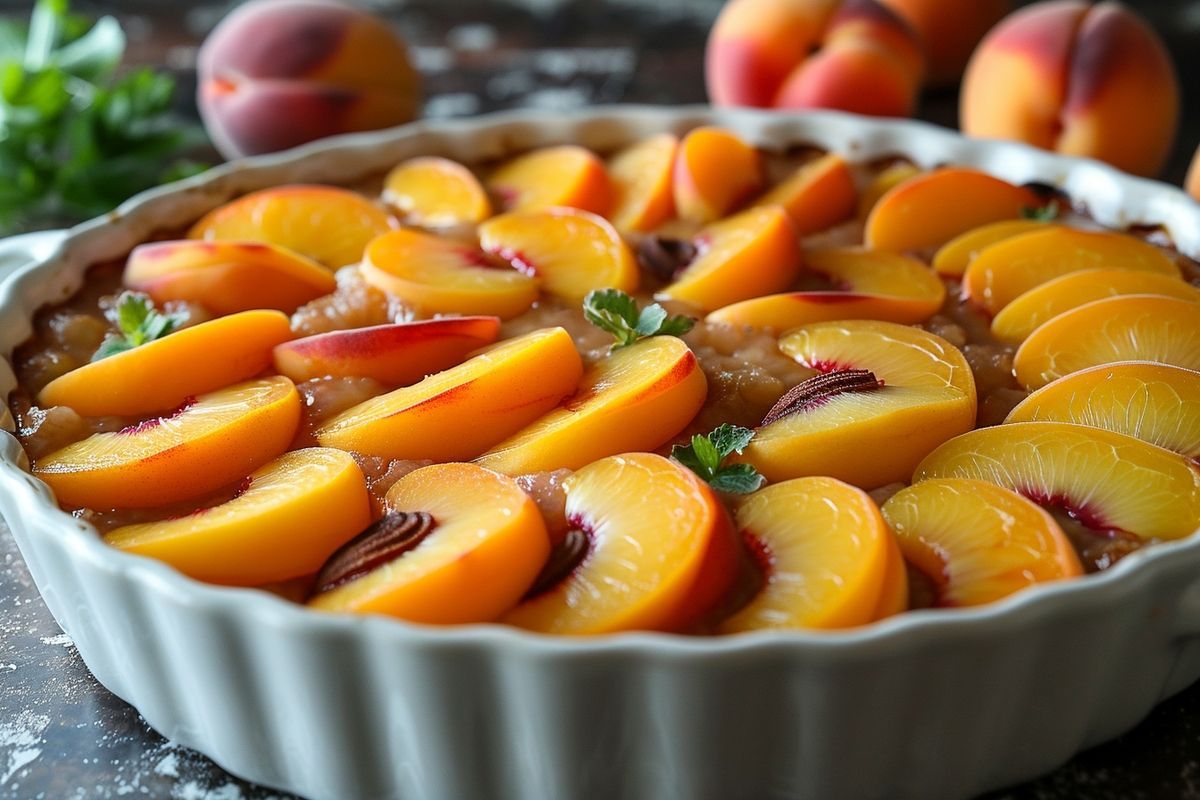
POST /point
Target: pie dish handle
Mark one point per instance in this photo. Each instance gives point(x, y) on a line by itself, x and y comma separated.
point(26, 248)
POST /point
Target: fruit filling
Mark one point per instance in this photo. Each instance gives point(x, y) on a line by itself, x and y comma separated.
point(689, 385)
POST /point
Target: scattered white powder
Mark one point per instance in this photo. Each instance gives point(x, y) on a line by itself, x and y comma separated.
point(62, 640)
point(168, 766)
point(20, 742)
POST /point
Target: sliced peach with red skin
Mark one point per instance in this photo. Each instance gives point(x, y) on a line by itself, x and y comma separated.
point(209, 442)
point(563, 175)
point(825, 553)
point(1157, 403)
point(715, 172)
point(571, 252)
point(817, 195)
point(395, 355)
point(1006, 270)
point(1042, 303)
point(324, 223)
point(747, 255)
point(1136, 327)
point(435, 192)
point(649, 524)
point(875, 436)
point(227, 277)
point(933, 207)
point(641, 175)
point(160, 374)
point(873, 284)
point(487, 545)
point(978, 542)
point(953, 257)
point(637, 398)
point(1106, 481)
point(460, 412)
point(440, 276)
point(286, 519)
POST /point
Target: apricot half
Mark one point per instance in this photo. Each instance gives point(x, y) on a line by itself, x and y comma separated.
point(715, 172)
point(435, 192)
point(210, 442)
point(284, 522)
point(486, 546)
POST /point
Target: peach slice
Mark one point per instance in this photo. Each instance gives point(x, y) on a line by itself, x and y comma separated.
point(1136, 327)
point(893, 595)
point(227, 277)
point(978, 542)
point(825, 552)
point(160, 374)
point(818, 195)
point(435, 192)
point(442, 276)
point(884, 182)
point(565, 175)
point(953, 257)
point(208, 442)
point(747, 255)
point(285, 520)
point(637, 398)
point(485, 546)
point(873, 284)
point(715, 172)
point(1023, 315)
point(396, 355)
point(1156, 403)
point(873, 435)
point(1008, 269)
point(1106, 481)
point(933, 207)
point(457, 414)
point(324, 223)
point(641, 176)
point(570, 251)
point(647, 524)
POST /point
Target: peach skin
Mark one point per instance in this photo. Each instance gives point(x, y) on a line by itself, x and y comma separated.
point(285, 520)
point(933, 207)
point(1191, 184)
point(462, 544)
point(570, 252)
point(210, 441)
point(747, 255)
point(1135, 327)
point(824, 551)
point(952, 258)
point(158, 375)
point(438, 275)
point(565, 175)
point(642, 175)
point(637, 398)
point(883, 183)
point(642, 531)
point(872, 284)
point(226, 277)
point(715, 172)
point(893, 595)
point(949, 29)
point(883, 397)
point(459, 413)
point(324, 223)
point(1080, 78)
point(818, 195)
point(1106, 481)
point(395, 355)
point(1157, 403)
point(977, 542)
point(434, 192)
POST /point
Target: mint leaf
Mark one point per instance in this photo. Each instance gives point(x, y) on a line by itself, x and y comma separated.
point(737, 479)
point(137, 323)
point(705, 454)
point(617, 313)
point(730, 439)
point(1046, 213)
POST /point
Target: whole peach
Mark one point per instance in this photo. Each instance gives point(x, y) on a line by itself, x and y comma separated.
point(278, 73)
point(853, 55)
point(1082, 79)
point(949, 30)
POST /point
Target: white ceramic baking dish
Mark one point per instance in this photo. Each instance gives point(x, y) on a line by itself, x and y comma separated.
point(925, 705)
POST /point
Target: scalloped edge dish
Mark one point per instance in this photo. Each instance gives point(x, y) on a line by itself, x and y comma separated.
point(924, 705)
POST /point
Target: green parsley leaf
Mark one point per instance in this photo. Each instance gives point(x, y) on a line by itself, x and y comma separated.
point(616, 312)
point(137, 323)
point(1046, 213)
point(705, 454)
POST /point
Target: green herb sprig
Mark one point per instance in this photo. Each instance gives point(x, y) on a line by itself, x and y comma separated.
point(705, 454)
point(137, 323)
point(616, 312)
point(1046, 213)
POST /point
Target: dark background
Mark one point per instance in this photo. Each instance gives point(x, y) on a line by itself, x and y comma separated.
point(63, 736)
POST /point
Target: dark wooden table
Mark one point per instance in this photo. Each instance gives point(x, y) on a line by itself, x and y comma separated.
point(64, 737)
